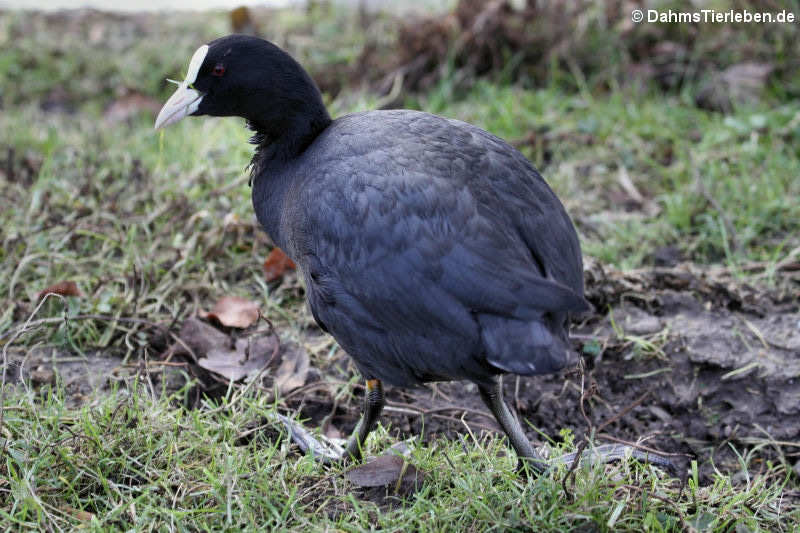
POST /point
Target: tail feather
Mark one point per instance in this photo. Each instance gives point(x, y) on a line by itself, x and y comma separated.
point(525, 347)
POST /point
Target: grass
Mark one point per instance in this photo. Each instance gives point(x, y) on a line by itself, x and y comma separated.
point(134, 461)
point(158, 226)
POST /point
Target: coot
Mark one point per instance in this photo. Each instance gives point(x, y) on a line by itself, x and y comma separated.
point(431, 250)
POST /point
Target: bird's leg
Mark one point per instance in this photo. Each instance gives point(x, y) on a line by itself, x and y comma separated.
point(373, 406)
point(330, 453)
point(492, 396)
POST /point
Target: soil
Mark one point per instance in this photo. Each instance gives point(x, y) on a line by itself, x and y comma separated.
point(717, 361)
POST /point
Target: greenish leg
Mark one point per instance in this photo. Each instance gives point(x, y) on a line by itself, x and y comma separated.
point(373, 406)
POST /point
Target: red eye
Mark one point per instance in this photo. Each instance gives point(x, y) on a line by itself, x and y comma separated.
point(218, 70)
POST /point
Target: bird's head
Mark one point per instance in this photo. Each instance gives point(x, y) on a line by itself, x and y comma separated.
point(248, 77)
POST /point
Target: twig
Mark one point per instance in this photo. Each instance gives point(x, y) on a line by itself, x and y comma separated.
point(582, 446)
point(593, 431)
point(642, 447)
point(788, 264)
point(310, 387)
point(625, 411)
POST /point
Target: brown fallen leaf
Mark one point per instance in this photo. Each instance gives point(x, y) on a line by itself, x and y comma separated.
point(276, 265)
point(62, 288)
point(200, 338)
point(246, 360)
point(387, 471)
point(233, 312)
point(293, 370)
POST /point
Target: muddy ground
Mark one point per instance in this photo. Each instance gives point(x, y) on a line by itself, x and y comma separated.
point(714, 365)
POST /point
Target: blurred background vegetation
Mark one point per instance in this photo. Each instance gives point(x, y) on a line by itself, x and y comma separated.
point(668, 143)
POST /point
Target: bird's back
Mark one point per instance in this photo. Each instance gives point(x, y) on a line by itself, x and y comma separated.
point(431, 249)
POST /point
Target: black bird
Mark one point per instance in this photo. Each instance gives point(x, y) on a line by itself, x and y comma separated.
point(431, 250)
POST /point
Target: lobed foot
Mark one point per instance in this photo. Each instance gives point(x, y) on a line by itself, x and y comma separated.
point(326, 453)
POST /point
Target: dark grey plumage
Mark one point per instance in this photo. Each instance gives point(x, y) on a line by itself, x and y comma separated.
point(431, 249)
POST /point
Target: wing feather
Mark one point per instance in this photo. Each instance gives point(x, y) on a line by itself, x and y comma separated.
point(405, 243)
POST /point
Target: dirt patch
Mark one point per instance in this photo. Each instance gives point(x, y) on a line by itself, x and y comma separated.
point(84, 377)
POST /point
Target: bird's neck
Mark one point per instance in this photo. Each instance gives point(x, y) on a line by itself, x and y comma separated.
point(279, 141)
point(278, 145)
point(269, 195)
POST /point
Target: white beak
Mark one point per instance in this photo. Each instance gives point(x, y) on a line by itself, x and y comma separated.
point(185, 100)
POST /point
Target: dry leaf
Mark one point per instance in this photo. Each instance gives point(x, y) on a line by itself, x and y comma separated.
point(387, 470)
point(63, 288)
point(293, 370)
point(246, 360)
point(215, 351)
point(233, 312)
point(200, 338)
point(277, 264)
